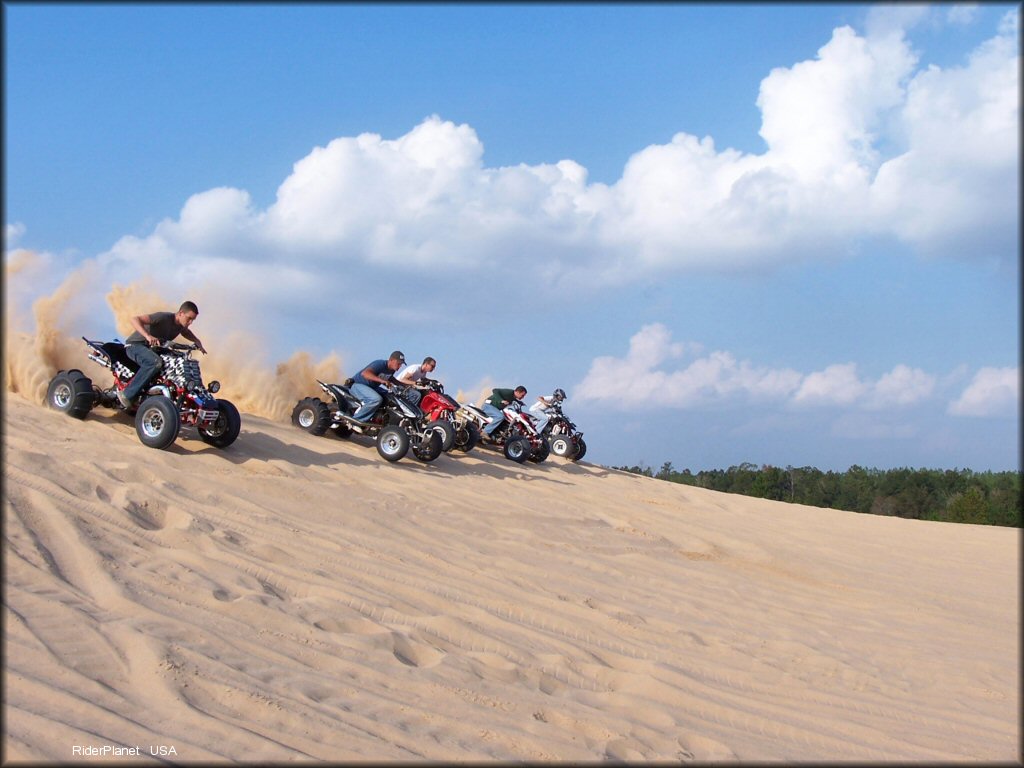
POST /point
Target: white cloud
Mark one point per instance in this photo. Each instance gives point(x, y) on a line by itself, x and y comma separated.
point(957, 186)
point(902, 386)
point(643, 378)
point(861, 143)
point(840, 385)
point(962, 14)
point(836, 385)
point(992, 392)
point(635, 381)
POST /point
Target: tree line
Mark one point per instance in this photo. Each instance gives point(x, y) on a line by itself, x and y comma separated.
point(952, 495)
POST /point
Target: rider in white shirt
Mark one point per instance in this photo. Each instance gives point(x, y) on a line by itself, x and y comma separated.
point(413, 373)
point(541, 408)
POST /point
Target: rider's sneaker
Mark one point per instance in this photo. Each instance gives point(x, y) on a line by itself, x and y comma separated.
point(124, 401)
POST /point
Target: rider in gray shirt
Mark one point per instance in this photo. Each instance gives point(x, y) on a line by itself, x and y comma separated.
point(151, 330)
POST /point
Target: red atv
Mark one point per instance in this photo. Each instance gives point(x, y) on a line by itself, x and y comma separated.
point(447, 417)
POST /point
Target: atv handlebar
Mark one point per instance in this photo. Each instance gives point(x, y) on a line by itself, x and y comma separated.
point(432, 384)
point(176, 346)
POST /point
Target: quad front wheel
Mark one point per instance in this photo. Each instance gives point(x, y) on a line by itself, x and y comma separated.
point(226, 428)
point(517, 449)
point(563, 446)
point(392, 443)
point(157, 422)
point(71, 392)
point(581, 451)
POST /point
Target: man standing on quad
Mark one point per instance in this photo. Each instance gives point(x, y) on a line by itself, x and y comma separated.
point(366, 385)
point(413, 373)
point(152, 330)
point(499, 399)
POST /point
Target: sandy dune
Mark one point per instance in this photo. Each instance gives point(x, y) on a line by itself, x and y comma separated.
point(295, 597)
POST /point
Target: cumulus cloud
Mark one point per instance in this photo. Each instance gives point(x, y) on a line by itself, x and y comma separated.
point(902, 386)
point(992, 392)
point(956, 187)
point(863, 141)
point(636, 380)
point(836, 385)
point(643, 379)
point(963, 14)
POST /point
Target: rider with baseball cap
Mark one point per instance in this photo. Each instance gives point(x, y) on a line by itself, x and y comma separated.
point(368, 384)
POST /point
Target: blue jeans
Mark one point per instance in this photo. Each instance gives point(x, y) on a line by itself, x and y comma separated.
point(412, 396)
point(541, 420)
point(370, 399)
point(149, 363)
point(498, 416)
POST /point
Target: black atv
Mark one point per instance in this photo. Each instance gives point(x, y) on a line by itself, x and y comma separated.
point(175, 398)
point(397, 425)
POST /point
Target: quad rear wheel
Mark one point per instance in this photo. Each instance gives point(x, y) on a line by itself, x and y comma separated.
point(429, 446)
point(312, 415)
point(540, 453)
point(71, 392)
point(466, 437)
point(446, 430)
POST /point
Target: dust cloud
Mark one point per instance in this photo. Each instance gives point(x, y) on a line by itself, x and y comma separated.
point(31, 358)
point(37, 345)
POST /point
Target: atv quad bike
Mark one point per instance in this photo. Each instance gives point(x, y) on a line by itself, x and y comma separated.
point(397, 426)
point(562, 435)
point(516, 436)
point(458, 430)
point(175, 398)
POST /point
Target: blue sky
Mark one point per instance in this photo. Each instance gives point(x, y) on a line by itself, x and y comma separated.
point(779, 234)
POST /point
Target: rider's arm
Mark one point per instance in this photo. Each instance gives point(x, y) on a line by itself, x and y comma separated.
point(194, 339)
point(369, 375)
point(141, 324)
point(405, 376)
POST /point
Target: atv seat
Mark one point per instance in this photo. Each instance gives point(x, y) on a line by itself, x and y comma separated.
point(115, 351)
point(340, 391)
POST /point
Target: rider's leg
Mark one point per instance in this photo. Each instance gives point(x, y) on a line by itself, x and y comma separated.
point(542, 421)
point(149, 365)
point(370, 399)
point(496, 416)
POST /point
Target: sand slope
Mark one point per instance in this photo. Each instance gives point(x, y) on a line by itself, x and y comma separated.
point(295, 597)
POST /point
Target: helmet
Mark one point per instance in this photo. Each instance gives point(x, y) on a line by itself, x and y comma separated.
point(559, 394)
